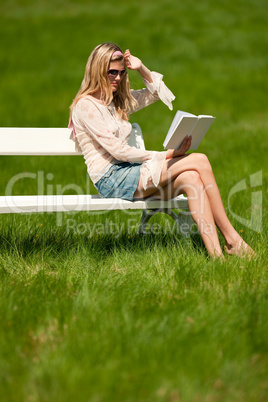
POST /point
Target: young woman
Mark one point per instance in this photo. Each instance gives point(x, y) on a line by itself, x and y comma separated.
point(99, 119)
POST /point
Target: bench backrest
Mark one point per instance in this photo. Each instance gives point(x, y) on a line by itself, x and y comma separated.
point(49, 141)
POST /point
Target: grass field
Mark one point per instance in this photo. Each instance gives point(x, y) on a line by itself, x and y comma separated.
point(90, 310)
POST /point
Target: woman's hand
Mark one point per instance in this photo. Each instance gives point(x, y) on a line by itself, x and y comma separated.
point(132, 62)
point(185, 145)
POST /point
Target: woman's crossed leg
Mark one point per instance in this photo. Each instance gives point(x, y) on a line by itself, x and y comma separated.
point(192, 174)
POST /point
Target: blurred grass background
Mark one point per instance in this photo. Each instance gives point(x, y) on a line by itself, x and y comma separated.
point(97, 318)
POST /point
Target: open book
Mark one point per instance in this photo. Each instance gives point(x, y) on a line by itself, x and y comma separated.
point(185, 124)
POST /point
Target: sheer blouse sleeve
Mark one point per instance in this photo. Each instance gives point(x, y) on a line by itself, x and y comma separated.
point(153, 92)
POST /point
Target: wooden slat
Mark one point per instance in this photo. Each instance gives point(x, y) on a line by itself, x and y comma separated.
point(36, 141)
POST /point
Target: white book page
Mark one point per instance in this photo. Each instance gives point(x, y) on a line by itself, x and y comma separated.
point(199, 131)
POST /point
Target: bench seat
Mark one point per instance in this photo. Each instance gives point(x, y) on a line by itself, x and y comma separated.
point(81, 202)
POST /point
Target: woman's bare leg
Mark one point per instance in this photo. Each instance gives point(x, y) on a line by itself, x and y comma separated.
point(199, 163)
point(199, 207)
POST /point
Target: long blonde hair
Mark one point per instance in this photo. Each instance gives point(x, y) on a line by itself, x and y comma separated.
point(96, 79)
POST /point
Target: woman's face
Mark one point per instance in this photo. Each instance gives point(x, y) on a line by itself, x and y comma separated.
point(116, 72)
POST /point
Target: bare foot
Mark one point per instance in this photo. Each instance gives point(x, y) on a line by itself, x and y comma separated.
point(217, 256)
point(241, 249)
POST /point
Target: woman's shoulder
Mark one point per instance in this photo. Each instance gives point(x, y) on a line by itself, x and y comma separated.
point(87, 103)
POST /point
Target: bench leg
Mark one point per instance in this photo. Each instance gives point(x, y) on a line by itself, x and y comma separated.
point(183, 220)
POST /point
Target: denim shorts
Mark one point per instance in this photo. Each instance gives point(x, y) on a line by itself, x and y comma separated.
point(120, 181)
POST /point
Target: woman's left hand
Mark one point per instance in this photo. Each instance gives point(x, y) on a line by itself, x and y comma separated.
point(185, 145)
point(132, 62)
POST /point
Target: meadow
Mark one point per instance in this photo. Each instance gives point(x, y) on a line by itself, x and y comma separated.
point(89, 309)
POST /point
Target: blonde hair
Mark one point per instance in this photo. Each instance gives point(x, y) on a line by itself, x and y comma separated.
point(96, 79)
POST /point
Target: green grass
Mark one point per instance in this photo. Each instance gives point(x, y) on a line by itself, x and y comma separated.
point(90, 310)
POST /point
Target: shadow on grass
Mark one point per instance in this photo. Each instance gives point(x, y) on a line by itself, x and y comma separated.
point(58, 242)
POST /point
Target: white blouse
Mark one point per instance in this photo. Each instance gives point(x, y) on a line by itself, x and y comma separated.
point(103, 136)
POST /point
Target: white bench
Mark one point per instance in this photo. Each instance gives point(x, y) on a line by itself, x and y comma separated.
point(56, 141)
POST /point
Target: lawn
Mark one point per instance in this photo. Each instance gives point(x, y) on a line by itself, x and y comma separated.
point(90, 310)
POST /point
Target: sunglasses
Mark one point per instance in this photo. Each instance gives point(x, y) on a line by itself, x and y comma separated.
point(114, 73)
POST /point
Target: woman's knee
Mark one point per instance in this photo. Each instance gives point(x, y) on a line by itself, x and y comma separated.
point(202, 162)
point(191, 184)
point(190, 178)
